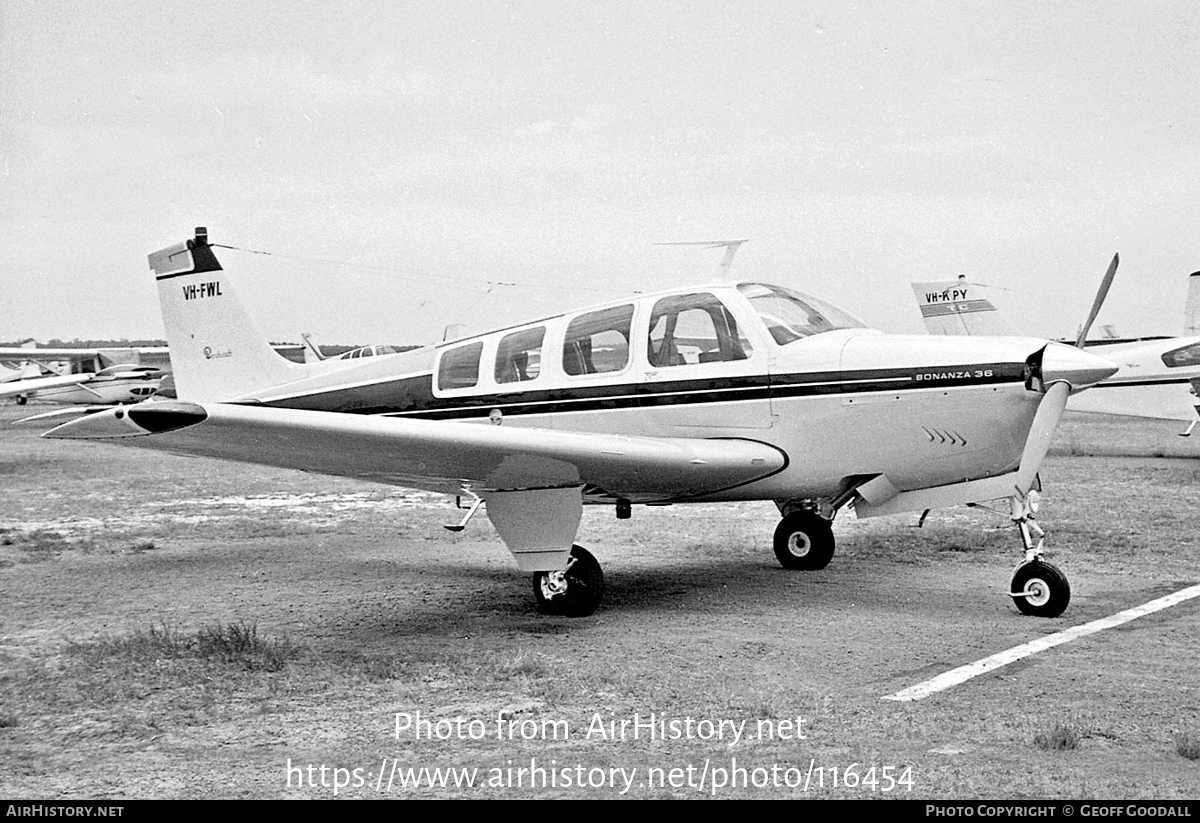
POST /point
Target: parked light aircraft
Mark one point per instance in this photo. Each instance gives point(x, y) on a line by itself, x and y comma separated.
point(722, 392)
point(1156, 374)
point(99, 376)
point(89, 376)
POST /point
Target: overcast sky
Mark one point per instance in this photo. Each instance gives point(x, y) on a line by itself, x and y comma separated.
point(414, 164)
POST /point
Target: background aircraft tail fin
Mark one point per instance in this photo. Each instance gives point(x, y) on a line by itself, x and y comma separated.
point(1191, 320)
point(959, 307)
point(217, 350)
point(312, 351)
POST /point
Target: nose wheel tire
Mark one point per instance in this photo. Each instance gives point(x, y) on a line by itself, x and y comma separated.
point(804, 540)
point(1040, 589)
point(574, 592)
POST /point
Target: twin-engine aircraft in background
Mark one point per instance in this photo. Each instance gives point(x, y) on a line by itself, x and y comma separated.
point(722, 392)
point(83, 376)
point(1158, 377)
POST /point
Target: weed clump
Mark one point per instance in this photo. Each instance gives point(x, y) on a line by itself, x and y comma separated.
point(1187, 745)
point(1062, 737)
point(234, 643)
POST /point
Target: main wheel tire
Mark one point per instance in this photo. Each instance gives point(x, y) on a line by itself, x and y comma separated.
point(574, 592)
point(1040, 589)
point(804, 540)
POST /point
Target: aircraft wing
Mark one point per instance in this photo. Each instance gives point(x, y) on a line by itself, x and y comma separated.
point(1161, 402)
point(442, 456)
point(33, 384)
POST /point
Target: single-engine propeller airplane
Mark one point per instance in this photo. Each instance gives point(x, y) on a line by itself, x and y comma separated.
point(88, 376)
point(722, 392)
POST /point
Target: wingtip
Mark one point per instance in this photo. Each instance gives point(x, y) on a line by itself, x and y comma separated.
point(131, 421)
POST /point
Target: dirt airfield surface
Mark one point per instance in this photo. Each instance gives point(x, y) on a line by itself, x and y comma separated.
point(179, 628)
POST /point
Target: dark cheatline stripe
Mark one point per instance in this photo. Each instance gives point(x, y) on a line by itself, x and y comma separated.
point(412, 396)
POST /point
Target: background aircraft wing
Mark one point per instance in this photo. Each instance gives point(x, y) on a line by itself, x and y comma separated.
point(33, 384)
point(443, 456)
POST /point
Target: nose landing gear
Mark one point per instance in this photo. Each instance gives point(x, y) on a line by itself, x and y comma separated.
point(1038, 588)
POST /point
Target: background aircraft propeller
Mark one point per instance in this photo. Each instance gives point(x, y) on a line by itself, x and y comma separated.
point(1102, 293)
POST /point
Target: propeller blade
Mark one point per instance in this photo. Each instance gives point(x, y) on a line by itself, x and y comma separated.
point(1099, 301)
point(1041, 433)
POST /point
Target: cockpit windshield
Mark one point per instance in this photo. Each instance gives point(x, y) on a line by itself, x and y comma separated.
point(791, 315)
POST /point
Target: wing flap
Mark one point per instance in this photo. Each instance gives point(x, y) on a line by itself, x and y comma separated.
point(444, 456)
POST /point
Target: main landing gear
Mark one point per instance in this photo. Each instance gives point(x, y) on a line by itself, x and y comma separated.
point(804, 540)
point(576, 591)
point(804, 537)
point(1038, 588)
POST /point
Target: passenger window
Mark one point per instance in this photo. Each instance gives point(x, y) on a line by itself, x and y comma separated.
point(519, 356)
point(459, 368)
point(687, 329)
point(598, 342)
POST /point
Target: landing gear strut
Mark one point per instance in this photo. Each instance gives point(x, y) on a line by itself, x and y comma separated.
point(576, 591)
point(1038, 588)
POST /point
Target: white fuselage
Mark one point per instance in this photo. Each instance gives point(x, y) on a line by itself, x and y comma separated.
point(924, 411)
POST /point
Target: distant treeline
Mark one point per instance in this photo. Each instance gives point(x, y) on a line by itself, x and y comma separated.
point(89, 344)
point(327, 350)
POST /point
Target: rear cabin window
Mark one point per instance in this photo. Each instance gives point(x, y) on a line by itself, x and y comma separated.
point(693, 328)
point(519, 356)
point(598, 341)
point(459, 368)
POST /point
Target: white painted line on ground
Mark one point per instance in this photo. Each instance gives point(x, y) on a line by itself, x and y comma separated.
point(964, 673)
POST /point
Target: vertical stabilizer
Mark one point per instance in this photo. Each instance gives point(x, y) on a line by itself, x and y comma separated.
point(217, 351)
point(959, 307)
point(1191, 312)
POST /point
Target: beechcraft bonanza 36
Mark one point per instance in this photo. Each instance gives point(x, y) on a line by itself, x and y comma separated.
point(724, 392)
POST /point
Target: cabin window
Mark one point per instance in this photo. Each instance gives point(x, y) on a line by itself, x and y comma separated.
point(598, 341)
point(791, 316)
point(1186, 356)
point(519, 355)
point(686, 329)
point(459, 368)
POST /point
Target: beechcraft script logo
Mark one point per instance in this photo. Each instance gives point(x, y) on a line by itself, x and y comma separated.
point(198, 291)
